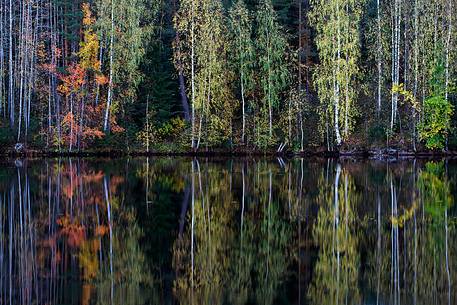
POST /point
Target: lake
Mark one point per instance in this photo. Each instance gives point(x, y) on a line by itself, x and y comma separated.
point(227, 231)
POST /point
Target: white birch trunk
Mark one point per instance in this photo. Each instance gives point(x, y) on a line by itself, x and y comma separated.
point(379, 58)
point(448, 46)
point(337, 81)
point(111, 72)
point(193, 73)
point(10, 68)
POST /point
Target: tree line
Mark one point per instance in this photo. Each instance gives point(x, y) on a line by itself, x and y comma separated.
point(220, 74)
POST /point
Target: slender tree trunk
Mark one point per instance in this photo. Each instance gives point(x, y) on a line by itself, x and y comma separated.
point(448, 46)
point(396, 37)
point(348, 79)
point(71, 123)
point(10, 68)
point(100, 58)
point(182, 84)
point(2, 60)
point(243, 135)
point(243, 132)
point(289, 119)
point(300, 84)
point(32, 72)
point(300, 47)
point(193, 72)
point(182, 92)
point(147, 125)
point(270, 110)
point(379, 58)
point(21, 60)
point(337, 78)
point(81, 122)
point(111, 72)
point(416, 67)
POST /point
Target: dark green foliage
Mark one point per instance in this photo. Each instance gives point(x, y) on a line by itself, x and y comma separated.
point(6, 135)
point(159, 84)
point(438, 111)
point(434, 129)
point(377, 134)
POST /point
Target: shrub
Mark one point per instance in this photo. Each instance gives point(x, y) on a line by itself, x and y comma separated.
point(436, 124)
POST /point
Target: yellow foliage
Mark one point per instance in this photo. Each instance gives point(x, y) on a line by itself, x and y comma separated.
point(88, 259)
point(87, 15)
point(89, 47)
point(407, 95)
point(402, 219)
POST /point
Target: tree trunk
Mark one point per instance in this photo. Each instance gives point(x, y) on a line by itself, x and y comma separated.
point(270, 111)
point(395, 59)
point(2, 60)
point(111, 72)
point(10, 69)
point(193, 74)
point(448, 46)
point(379, 58)
point(243, 134)
point(337, 81)
point(182, 85)
point(184, 100)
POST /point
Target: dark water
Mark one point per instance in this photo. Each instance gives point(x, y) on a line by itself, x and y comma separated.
point(182, 231)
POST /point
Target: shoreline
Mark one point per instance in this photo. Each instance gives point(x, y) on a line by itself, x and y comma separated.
point(380, 154)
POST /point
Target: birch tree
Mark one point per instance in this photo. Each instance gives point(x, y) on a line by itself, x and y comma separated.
point(396, 41)
point(185, 22)
point(111, 70)
point(203, 50)
point(337, 26)
point(128, 26)
point(243, 50)
point(274, 74)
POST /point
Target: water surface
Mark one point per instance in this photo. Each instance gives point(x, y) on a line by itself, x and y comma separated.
point(222, 231)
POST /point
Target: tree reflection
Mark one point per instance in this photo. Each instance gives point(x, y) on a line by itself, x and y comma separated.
point(413, 263)
point(243, 256)
point(221, 231)
point(336, 236)
point(61, 230)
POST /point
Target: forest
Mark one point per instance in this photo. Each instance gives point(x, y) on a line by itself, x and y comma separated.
point(175, 76)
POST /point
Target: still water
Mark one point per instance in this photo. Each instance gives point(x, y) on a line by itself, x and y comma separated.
point(222, 231)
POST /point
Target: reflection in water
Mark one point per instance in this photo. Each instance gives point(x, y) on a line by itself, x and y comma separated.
point(336, 236)
point(201, 231)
